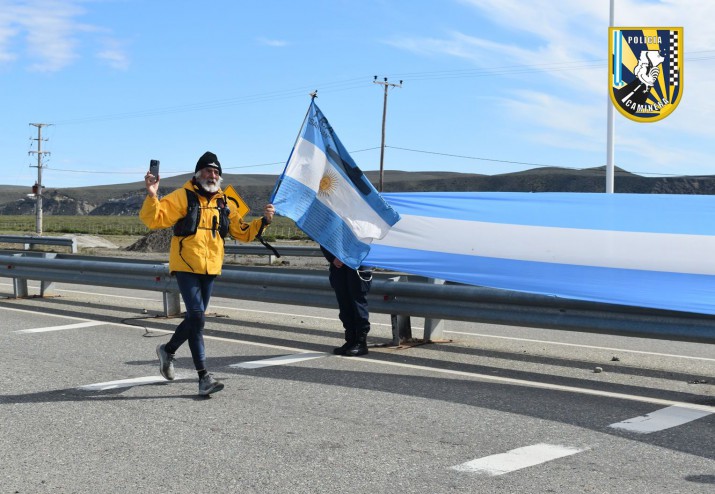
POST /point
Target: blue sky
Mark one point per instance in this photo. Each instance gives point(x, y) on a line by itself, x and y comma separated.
point(502, 85)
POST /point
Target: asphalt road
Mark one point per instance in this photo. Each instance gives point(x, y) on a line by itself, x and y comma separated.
point(496, 409)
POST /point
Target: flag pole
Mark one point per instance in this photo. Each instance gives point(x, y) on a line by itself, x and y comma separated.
point(610, 132)
point(312, 95)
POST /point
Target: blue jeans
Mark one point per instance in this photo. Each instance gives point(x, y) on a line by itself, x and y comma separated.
point(195, 291)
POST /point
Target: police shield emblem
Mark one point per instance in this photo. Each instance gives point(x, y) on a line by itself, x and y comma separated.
point(646, 71)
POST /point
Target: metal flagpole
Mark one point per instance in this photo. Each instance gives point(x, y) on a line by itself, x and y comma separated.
point(610, 132)
point(312, 95)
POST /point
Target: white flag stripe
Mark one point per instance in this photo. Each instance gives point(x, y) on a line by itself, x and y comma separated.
point(126, 383)
point(516, 459)
point(601, 248)
point(308, 166)
point(60, 328)
point(283, 360)
point(661, 419)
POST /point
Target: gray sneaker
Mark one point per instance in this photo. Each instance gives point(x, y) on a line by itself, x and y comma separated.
point(166, 362)
point(208, 385)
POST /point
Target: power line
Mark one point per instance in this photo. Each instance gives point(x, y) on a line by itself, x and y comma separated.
point(537, 165)
point(96, 172)
point(436, 153)
point(356, 83)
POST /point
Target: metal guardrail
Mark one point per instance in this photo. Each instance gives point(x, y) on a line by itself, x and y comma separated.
point(399, 299)
point(260, 250)
point(28, 241)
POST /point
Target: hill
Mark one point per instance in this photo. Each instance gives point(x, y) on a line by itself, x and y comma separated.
point(126, 199)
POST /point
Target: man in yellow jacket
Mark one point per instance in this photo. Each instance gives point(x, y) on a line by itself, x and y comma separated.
point(201, 219)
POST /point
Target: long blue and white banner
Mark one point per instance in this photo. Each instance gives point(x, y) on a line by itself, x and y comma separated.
point(653, 250)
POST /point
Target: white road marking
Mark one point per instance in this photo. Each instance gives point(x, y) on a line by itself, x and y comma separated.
point(72, 318)
point(558, 343)
point(473, 375)
point(143, 299)
point(127, 383)
point(659, 420)
point(222, 307)
point(549, 386)
point(516, 459)
point(480, 335)
point(86, 324)
point(283, 360)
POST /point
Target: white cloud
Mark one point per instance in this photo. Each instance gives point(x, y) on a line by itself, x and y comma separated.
point(566, 116)
point(114, 55)
point(46, 34)
point(564, 44)
point(276, 43)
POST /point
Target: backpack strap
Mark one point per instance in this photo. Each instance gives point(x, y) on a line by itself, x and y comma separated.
point(259, 236)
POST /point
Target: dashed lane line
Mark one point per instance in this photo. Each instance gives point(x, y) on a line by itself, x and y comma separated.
point(516, 459)
point(87, 324)
point(128, 383)
point(283, 360)
point(659, 420)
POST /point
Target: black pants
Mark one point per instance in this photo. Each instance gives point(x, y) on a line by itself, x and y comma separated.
point(351, 290)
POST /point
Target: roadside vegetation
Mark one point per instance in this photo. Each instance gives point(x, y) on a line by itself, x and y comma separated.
point(281, 228)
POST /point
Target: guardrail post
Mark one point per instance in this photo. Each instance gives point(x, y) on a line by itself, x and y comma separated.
point(19, 285)
point(172, 303)
point(401, 325)
point(46, 286)
point(434, 328)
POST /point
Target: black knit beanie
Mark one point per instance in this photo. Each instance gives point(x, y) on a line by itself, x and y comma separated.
point(206, 160)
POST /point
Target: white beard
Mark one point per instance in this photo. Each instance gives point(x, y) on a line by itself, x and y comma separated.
point(211, 187)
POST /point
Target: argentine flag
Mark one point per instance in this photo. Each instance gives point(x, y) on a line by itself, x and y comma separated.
point(327, 195)
point(645, 250)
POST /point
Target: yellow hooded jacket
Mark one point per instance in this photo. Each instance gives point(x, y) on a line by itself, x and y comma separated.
point(201, 253)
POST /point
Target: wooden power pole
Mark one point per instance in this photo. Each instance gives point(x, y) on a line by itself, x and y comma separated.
point(386, 85)
point(37, 188)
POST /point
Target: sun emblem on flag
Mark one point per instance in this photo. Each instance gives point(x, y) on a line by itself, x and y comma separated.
point(328, 183)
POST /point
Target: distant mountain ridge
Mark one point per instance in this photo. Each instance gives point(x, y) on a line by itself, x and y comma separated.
point(126, 199)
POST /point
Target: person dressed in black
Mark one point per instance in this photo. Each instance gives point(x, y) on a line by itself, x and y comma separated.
point(351, 288)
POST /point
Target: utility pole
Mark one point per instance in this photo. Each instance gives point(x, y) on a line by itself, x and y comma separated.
point(37, 188)
point(386, 85)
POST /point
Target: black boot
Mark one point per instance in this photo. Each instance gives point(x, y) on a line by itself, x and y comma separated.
point(359, 347)
point(349, 343)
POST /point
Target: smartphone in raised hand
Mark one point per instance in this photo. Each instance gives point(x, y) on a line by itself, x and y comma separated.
point(154, 168)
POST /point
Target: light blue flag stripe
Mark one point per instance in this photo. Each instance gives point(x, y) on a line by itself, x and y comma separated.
point(659, 290)
point(655, 213)
point(641, 250)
